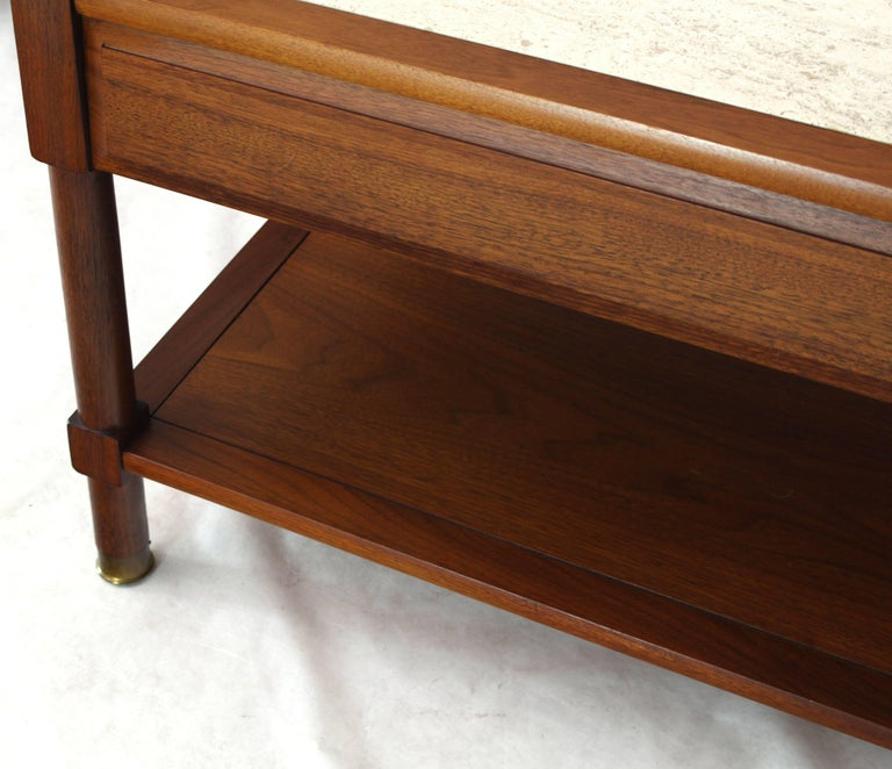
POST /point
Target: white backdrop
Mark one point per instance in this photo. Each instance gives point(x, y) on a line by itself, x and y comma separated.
point(253, 647)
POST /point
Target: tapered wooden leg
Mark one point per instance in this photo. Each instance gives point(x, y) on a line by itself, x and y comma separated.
point(93, 284)
point(122, 532)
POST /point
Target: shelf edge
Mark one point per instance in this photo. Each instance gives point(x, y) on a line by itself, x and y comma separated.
point(774, 671)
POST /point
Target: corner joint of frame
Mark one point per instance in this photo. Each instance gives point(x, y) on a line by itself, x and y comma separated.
point(98, 453)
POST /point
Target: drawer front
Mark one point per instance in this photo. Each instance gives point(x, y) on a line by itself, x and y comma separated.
point(757, 291)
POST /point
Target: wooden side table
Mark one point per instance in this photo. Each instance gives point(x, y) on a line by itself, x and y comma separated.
point(613, 358)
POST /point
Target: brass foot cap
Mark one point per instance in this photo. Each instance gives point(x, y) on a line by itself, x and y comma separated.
point(126, 570)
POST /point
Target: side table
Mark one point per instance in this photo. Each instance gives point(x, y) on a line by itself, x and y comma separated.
point(613, 358)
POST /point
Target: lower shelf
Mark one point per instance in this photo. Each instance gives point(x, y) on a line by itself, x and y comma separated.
point(711, 516)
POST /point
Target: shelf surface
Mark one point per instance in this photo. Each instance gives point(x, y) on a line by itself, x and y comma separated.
point(709, 515)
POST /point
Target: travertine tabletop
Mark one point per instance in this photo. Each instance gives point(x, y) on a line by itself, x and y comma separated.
point(824, 62)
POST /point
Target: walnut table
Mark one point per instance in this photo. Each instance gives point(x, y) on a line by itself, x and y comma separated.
point(611, 357)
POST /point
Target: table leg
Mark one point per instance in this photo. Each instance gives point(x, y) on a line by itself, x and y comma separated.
point(93, 284)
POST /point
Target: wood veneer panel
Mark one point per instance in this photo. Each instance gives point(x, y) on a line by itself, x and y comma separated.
point(795, 678)
point(631, 170)
point(798, 303)
point(193, 334)
point(823, 166)
point(745, 492)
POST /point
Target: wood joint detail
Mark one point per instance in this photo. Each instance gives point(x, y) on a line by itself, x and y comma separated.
point(48, 40)
point(97, 453)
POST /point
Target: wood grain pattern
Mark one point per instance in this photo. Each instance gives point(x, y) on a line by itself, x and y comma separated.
point(48, 42)
point(711, 516)
point(95, 304)
point(192, 335)
point(630, 170)
point(94, 453)
point(762, 293)
point(742, 491)
point(785, 675)
point(726, 653)
point(99, 336)
point(822, 166)
point(97, 453)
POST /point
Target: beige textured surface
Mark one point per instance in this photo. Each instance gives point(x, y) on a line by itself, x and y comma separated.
point(824, 62)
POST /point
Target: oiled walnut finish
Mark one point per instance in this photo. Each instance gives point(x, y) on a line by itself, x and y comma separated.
point(767, 152)
point(97, 453)
point(624, 487)
point(48, 41)
point(724, 653)
point(193, 334)
point(591, 159)
point(93, 284)
point(505, 437)
point(763, 293)
point(93, 280)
